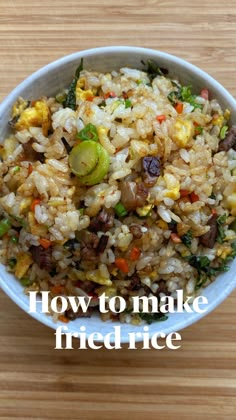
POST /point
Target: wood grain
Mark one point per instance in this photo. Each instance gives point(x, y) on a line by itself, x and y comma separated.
point(198, 380)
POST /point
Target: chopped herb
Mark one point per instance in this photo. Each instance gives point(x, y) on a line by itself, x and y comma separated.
point(102, 104)
point(153, 70)
point(81, 211)
point(184, 94)
point(5, 226)
point(70, 101)
point(150, 318)
point(89, 132)
point(12, 262)
point(25, 281)
point(223, 132)
point(204, 269)
point(128, 103)
point(187, 238)
point(221, 233)
point(198, 130)
point(212, 196)
point(120, 210)
point(16, 169)
point(14, 239)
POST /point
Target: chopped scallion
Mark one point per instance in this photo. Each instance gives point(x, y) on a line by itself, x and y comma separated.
point(120, 210)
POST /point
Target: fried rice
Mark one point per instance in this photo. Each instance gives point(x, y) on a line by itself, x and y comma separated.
point(160, 217)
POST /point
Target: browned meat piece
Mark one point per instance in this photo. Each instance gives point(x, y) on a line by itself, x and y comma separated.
point(209, 238)
point(134, 283)
point(102, 244)
point(42, 257)
point(30, 154)
point(151, 169)
point(71, 315)
point(136, 231)
point(92, 246)
point(103, 221)
point(162, 288)
point(89, 243)
point(229, 142)
point(133, 195)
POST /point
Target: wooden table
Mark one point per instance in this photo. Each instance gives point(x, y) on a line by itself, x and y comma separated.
point(198, 381)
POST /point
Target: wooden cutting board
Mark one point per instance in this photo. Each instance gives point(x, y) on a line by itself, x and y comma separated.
point(194, 382)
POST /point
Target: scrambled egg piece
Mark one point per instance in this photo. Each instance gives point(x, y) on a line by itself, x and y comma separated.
point(83, 95)
point(37, 115)
point(182, 131)
point(173, 187)
point(96, 277)
point(143, 211)
point(218, 121)
point(24, 261)
point(231, 201)
point(8, 148)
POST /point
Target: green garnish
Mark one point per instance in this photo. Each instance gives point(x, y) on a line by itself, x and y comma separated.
point(89, 132)
point(150, 318)
point(198, 130)
point(120, 210)
point(81, 211)
point(12, 262)
point(70, 101)
point(128, 103)
point(187, 238)
point(221, 233)
point(153, 70)
point(203, 266)
point(25, 281)
point(14, 239)
point(5, 226)
point(223, 132)
point(16, 169)
point(184, 94)
point(212, 196)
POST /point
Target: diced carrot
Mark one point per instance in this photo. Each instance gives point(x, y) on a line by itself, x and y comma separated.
point(213, 211)
point(110, 95)
point(30, 169)
point(194, 197)
point(175, 238)
point(135, 254)
point(57, 290)
point(184, 193)
point(179, 107)
point(63, 318)
point(35, 202)
point(90, 98)
point(45, 243)
point(205, 93)
point(122, 264)
point(160, 118)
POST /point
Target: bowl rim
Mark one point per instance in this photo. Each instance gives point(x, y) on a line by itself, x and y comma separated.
point(7, 101)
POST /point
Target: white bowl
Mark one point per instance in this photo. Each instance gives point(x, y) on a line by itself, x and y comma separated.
point(55, 76)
